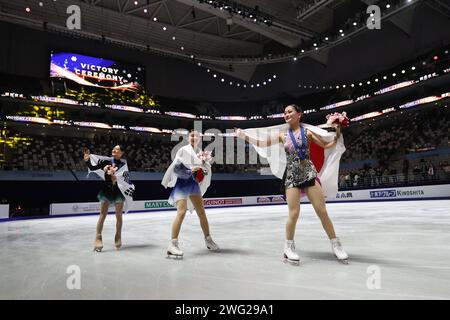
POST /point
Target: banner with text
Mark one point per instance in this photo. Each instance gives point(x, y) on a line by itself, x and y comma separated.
point(388, 194)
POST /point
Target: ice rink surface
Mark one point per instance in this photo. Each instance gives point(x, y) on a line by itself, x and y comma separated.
point(398, 250)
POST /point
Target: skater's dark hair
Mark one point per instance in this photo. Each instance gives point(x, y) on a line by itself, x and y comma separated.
point(121, 148)
point(296, 107)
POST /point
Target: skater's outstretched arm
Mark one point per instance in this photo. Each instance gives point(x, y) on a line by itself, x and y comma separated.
point(259, 143)
point(319, 141)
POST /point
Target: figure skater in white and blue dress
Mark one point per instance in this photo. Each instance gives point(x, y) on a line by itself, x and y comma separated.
point(189, 175)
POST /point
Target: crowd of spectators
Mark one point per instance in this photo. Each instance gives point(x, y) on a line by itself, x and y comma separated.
point(142, 153)
point(399, 173)
point(418, 132)
point(65, 153)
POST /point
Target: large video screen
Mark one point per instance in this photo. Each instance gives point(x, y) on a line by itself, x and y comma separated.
point(96, 72)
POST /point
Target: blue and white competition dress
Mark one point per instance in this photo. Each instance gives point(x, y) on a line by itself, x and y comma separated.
point(179, 176)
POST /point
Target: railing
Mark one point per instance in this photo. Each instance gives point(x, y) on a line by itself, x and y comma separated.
point(375, 181)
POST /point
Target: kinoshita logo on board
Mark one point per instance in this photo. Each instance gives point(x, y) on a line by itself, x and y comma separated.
point(396, 193)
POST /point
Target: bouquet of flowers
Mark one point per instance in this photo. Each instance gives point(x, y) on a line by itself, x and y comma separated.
point(206, 157)
point(337, 118)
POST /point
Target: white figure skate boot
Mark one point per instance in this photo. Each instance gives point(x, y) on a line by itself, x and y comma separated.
point(211, 245)
point(338, 251)
point(173, 251)
point(289, 253)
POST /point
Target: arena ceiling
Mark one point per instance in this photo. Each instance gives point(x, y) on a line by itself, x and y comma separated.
point(237, 47)
point(197, 26)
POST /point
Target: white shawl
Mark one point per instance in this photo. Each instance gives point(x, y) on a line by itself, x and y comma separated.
point(187, 156)
point(122, 175)
point(276, 155)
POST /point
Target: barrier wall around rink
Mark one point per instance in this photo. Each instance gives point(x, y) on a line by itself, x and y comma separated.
point(388, 194)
